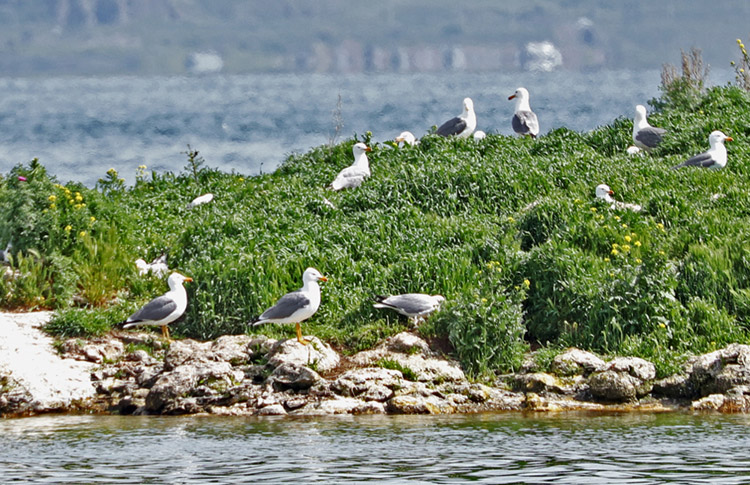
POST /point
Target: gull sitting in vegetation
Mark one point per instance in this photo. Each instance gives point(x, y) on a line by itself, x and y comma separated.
point(524, 120)
point(416, 306)
point(163, 310)
point(5, 253)
point(715, 157)
point(408, 138)
point(462, 125)
point(605, 193)
point(296, 306)
point(645, 136)
point(158, 267)
point(203, 199)
point(353, 175)
point(479, 135)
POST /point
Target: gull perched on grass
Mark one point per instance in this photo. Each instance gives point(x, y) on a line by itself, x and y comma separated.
point(158, 267)
point(462, 125)
point(163, 310)
point(296, 306)
point(408, 138)
point(715, 157)
point(416, 306)
point(200, 200)
point(6, 253)
point(605, 193)
point(353, 175)
point(645, 136)
point(524, 120)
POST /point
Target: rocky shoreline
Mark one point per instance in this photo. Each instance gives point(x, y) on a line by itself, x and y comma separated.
point(138, 373)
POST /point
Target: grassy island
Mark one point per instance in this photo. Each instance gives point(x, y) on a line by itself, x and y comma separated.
point(506, 228)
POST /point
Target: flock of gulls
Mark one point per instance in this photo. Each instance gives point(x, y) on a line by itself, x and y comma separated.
point(297, 306)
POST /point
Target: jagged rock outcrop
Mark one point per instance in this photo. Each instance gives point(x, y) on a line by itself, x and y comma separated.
point(135, 373)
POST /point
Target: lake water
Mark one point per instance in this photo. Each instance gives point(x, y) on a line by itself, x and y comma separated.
point(489, 448)
point(80, 127)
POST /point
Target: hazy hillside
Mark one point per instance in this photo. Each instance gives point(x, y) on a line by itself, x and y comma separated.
point(163, 36)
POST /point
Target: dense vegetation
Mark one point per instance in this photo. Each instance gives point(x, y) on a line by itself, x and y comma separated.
point(506, 228)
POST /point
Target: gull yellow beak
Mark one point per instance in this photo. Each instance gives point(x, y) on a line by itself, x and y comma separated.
point(511, 96)
point(729, 138)
point(189, 280)
point(368, 149)
point(323, 278)
point(611, 192)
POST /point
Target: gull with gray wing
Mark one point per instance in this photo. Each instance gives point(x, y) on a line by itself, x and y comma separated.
point(296, 306)
point(645, 136)
point(524, 120)
point(163, 310)
point(462, 125)
point(416, 306)
point(715, 157)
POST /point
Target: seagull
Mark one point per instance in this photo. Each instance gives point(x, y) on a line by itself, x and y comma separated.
point(5, 254)
point(163, 310)
point(524, 120)
point(462, 125)
point(408, 138)
point(353, 175)
point(203, 199)
point(479, 135)
point(605, 193)
point(296, 306)
point(158, 266)
point(416, 306)
point(633, 150)
point(716, 156)
point(645, 136)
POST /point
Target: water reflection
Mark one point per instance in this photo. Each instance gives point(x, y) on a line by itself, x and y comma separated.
point(490, 448)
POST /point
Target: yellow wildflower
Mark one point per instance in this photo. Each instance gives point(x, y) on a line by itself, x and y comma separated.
point(606, 260)
point(617, 218)
point(142, 167)
point(593, 209)
point(662, 325)
point(79, 197)
point(624, 226)
point(638, 260)
point(637, 244)
point(92, 218)
point(615, 252)
point(68, 228)
point(484, 300)
point(53, 206)
point(526, 283)
point(242, 179)
point(52, 198)
point(82, 234)
point(626, 247)
point(511, 220)
point(615, 246)
point(628, 238)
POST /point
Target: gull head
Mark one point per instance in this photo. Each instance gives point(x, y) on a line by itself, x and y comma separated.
point(468, 105)
point(604, 192)
point(717, 137)
point(439, 299)
point(406, 137)
point(312, 274)
point(521, 94)
point(176, 280)
point(360, 148)
point(640, 112)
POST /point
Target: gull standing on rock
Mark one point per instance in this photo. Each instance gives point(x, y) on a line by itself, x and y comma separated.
point(163, 310)
point(524, 120)
point(353, 175)
point(296, 306)
point(462, 125)
point(645, 136)
point(605, 193)
point(416, 306)
point(716, 156)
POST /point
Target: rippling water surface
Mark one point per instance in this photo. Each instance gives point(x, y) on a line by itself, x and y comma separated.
point(489, 448)
point(80, 127)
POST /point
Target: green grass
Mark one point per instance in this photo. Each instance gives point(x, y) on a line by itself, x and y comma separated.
point(507, 229)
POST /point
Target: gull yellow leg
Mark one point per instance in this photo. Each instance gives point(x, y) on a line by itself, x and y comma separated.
point(299, 335)
point(165, 332)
